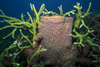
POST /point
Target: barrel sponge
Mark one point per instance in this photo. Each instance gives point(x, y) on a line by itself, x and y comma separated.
point(54, 35)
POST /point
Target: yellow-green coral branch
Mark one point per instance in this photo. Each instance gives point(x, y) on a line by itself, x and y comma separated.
point(61, 11)
point(2, 12)
point(16, 23)
point(37, 52)
point(83, 24)
point(88, 33)
point(26, 38)
point(22, 17)
point(77, 6)
point(7, 49)
point(79, 15)
point(92, 44)
point(32, 32)
point(78, 18)
point(34, 26)
point(50, 12)
point(9, 26)
point(41, 9)
point(11, 18)
point(37, 14)
point(30, 18)
point(88, 10)
point(68, 13)
point(36, 18)
point(4, 16)
point(27, 24)
point(33, 8)
point(80, 36)
point(12, 33)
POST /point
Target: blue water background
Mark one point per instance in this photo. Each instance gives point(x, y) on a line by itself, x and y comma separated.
point(15, 8)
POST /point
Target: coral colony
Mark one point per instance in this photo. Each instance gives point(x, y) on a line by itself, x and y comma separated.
point(50, 42)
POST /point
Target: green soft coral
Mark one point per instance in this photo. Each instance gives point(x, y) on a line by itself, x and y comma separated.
point(61, 12)
point(31, 25)
point(78, 24)
point(80, 17)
